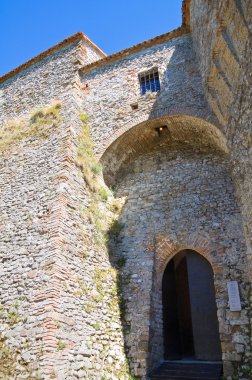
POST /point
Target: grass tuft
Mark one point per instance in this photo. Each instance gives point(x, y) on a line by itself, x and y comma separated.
point(103, 193)
point(61, 345)
point(39, 125)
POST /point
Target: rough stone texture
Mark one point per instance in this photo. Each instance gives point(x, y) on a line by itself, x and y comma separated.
point(144, 136)
point(114, 87)
point(51, 265)
point(179, 195)
point(50, 78)
point(190, 187)
point(222, 40)
point(54, 316)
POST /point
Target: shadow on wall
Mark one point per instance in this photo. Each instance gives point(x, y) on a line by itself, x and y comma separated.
point(181, 95)
point(181, 85)
point(118, 262)
point(180, 106)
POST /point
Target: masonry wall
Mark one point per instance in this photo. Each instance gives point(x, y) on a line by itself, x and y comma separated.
point(110, 91)
point(29, 170)
point(114, 87)
point(222, 40)
point(180, 196)
point(57, 320)
point(62, 314)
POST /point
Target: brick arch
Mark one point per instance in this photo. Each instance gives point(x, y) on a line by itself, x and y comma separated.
point(166, 249)
point(161, 114)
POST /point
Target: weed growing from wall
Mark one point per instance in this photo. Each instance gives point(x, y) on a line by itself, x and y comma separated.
point(91, 169)
point(12, 365)
point(102, 213)
point(61, 345)
point(39, 125)
point(85, 155)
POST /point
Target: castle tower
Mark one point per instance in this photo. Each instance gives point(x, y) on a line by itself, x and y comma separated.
point(125, 180)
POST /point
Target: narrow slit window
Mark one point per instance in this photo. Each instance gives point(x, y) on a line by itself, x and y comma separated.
point(149, 81)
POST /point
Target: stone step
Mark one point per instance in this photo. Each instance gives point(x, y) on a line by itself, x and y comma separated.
point(188, 371)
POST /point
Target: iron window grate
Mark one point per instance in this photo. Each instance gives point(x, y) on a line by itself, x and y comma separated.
point(149, 81)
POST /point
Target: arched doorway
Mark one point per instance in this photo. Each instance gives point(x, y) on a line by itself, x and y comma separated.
point(190, 322)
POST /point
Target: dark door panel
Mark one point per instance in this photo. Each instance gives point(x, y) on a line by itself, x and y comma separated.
point(203, 308)
point(189, 310)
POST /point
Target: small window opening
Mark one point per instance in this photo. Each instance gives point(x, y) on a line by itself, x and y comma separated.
point(149, 81)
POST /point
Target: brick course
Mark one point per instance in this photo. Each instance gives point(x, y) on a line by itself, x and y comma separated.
point(187, 188)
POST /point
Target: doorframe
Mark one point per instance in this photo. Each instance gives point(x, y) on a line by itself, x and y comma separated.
point(164, 250)
point(191, 344)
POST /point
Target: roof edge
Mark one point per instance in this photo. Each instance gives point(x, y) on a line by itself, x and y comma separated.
point(186, 13)
point(182, 30)
point(75, 37)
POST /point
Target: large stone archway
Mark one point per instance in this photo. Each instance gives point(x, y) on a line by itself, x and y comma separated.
point(179, 195)
point(202, 116)
point(142, 136)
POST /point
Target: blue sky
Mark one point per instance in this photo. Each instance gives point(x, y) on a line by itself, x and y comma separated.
point(28, 27)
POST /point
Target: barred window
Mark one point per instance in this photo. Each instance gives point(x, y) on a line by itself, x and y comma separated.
point(149, 81)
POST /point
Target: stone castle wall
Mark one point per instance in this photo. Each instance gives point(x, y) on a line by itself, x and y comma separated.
point(30, 170)
point(62, 313)
point(53, 315)
point(177, 195)
point(110, 91)
point(222, 40)
point(113, 88)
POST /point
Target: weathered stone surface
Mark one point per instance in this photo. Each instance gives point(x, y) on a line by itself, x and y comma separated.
point(65, 313)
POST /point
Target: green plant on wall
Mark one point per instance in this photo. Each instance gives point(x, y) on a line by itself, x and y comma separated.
point(39, 125)
point(125, 372)
point(102, 213)
point(61, 345)
point(12, 365)
point(96, 211)
point(85, 155)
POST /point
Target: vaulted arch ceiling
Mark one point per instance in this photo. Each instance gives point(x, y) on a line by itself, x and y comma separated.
point(167, 132)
